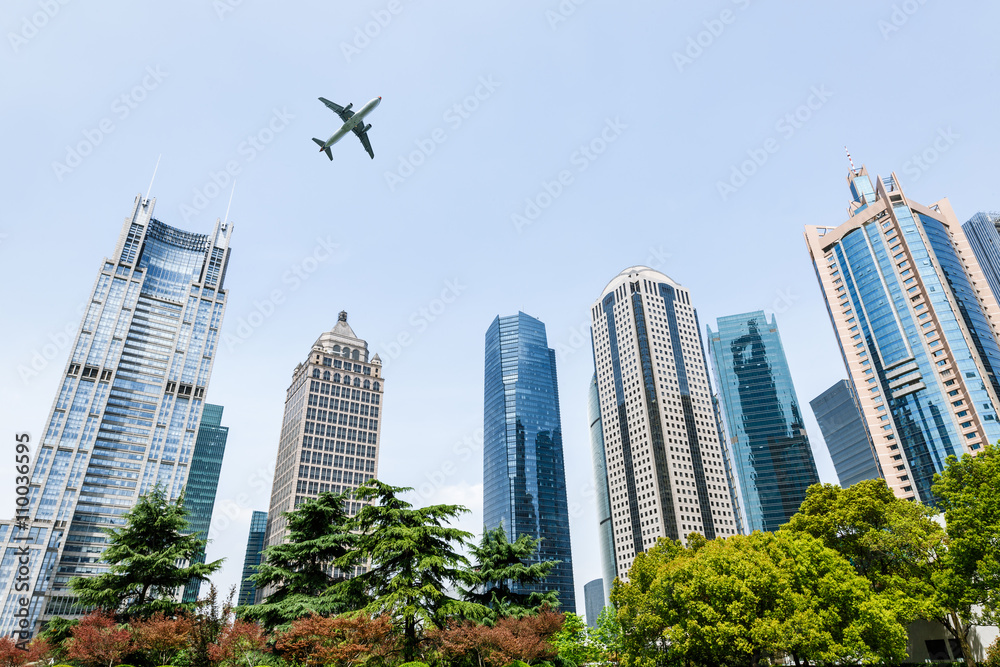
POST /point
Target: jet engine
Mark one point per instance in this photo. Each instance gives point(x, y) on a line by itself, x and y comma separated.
point(348, 107)
point(367, 127)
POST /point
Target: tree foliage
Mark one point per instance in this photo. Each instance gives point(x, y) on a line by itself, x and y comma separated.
point(144, 556)
point(468, 644)
point(98, 641)
point(743, 599)
point(317, 641)
point(306, 570)
point(12, 655)
point(502, 571)
point(161, 637)
point(239, 643)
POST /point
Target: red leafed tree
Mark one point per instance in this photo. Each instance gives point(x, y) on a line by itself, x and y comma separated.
point(316, 641)
point(526, 639)
point(13, 656)
point(161, 637)
point(239, 643)
point(96, 640)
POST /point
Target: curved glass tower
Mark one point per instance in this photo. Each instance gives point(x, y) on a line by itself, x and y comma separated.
point(767, 438)
point(524, 481)
point(128, 408)
point(605, 530)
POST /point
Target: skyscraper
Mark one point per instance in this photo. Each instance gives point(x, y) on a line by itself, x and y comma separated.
point(767, 437)
point(203, 480)
point(846, 436)
point(605, 529)
point(524, 482)
point(330, 432)
point(984, 236)
point(594, 600)
point(916, 323)
point(665, 464)
point(125, 416)
point(253, 557)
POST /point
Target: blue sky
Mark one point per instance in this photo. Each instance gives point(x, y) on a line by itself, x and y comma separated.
point(525, 153)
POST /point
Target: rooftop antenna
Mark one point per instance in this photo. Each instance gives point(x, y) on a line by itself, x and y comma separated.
point(849, 158)
point(154, 176)
point(225, 220)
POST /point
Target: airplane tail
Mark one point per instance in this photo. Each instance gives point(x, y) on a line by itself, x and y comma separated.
point(323, 147)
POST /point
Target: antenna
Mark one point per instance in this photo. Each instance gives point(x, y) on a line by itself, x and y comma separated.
point(154, 175)
point(225, 220)
point(849, 158)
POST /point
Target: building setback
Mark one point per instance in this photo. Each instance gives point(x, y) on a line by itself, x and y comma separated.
point(665, 466)
point(524, 480)
point(846, 437)
point(203, 481)
point(127, 410)
point(330, 431)
point(916, 323)
point(253, 557)
point(767, 437)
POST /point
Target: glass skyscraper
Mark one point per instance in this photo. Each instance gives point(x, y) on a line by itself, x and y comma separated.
point(916, 322)
point(846, 437)
point(665, 465)
point(524, 483)
point(203, 480)
point(605, 529)
point(767, 438)
point(254, 556)
point(127, 410)
point(984, 236)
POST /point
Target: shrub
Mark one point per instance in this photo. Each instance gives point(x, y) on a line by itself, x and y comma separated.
point(993, 655)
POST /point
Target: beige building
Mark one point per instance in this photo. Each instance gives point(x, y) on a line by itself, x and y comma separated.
point(917, 327)
point(664, 462)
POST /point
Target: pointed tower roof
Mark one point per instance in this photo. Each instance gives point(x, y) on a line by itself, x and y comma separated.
point(340, 335)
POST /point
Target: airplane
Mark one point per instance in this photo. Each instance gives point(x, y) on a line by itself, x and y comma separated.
point(352, 121)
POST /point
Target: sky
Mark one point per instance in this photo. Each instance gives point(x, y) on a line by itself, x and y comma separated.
point(525, 153)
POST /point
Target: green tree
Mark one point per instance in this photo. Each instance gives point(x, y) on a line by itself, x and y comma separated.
point(499, 566)
point(967, 492)
point(144, 555)
point(301, 569)
point(749, 598)
point(606, 636)
point(414, 558)
point(572, 642)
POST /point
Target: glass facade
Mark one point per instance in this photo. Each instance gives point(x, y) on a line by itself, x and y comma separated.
point(203, 480)
point(254, 555)
point(984, 237)
point(594, 599)
point(846, 437)
point(129, 404)
point(602, 493)
point(767, 437)
point(524, 484)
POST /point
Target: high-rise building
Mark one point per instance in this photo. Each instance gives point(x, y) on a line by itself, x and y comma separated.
point(203, 481)
point(767, 437)
point(605, 530)
point(983, 232)
point(524, 481)
point(846, 435)
point(916, 322)
point(127, 410)
point(594, 600)
point(666, 473)
point(255, 550)
point(330, 432)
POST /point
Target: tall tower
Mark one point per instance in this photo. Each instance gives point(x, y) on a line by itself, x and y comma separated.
point(767, 437)
point(845, 434)
point(524, 480)
point(128, 408)
point(253, 557)
point(330, 431)
point(605, 529)
point(916, 322)
point(666, 473)
point(983, 234)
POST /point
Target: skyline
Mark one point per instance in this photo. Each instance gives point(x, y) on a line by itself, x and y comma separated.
point(438, 243)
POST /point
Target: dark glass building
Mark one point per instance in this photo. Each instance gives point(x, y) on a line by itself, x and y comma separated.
point(255, 550)
point(594, 600)
point(767, 438)
point(846, 437)
point(524, 484)
point(203, 480)
point(984, 237)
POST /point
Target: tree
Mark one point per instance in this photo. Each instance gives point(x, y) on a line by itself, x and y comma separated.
point(239, 643)
point(967, 492)
point(208, 621)
point(500, 567)
point(526, 639)
point(96, 640)
point(414, 558)
point(572, 642)
point(144, 555)
point(606, 637)
point(316, 641)
point(161, 637)
point(745, 599)
point(56, 631)
point(319, 540)
point(12, 655)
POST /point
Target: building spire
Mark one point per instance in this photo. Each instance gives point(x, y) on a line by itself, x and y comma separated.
point(849, 158)
point(150, 189)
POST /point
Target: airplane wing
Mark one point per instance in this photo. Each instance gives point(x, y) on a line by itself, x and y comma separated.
point(345, 114)
point(363, 136)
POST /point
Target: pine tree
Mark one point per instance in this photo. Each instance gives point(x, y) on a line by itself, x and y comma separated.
point(502, 572)
point(144, 555)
